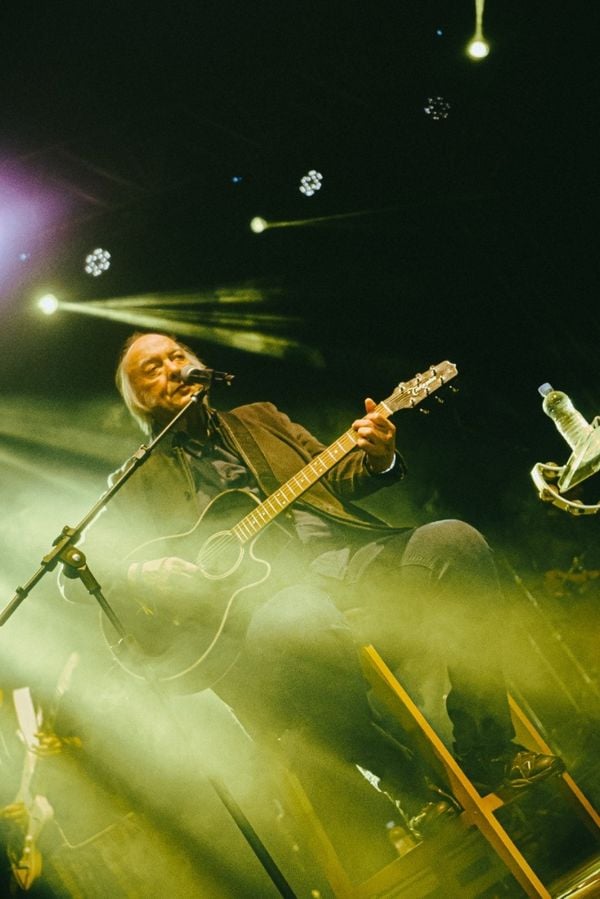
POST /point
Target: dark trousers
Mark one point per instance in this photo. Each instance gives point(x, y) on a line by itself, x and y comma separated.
point(428, 599)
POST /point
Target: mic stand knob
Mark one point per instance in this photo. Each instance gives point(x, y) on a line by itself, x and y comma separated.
point(75, 566)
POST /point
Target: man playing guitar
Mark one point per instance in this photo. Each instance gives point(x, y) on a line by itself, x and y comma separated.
point(279, 643)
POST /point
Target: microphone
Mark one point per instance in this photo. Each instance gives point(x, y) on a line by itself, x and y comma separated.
point(582, 436)
point(192, 375)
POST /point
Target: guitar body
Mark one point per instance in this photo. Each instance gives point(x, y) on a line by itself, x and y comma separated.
point(187, 643)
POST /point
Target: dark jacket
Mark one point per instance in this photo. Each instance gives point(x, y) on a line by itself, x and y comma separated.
point(160, 501)
point(160, 498)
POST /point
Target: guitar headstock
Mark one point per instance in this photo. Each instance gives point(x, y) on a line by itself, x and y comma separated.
point(410, 393)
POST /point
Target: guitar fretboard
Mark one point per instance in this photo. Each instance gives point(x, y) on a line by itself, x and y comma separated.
point(285, 495)
point(406, 395)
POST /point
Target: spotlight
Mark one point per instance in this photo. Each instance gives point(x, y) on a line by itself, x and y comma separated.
point(258, 225)
point(97, 262)
point(437, 108)
point(48, 304)
point(310, 183)
point(478, 48)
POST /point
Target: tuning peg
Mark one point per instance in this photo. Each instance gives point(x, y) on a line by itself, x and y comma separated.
point(454, 389)
point(424, 411)
point(439, 400)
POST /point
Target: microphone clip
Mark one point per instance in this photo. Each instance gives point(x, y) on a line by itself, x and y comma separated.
point(192, 375)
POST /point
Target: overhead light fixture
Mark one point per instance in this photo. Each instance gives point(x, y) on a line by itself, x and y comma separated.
point(437, 108)
point(258, 224)
point(310, 183)
point(48, 304)
point(478, 47)
point(97, 262)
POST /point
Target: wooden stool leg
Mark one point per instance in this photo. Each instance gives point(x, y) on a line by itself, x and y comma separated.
point(478, 810)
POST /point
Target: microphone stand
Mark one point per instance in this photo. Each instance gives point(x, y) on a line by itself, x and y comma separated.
point(65, 549)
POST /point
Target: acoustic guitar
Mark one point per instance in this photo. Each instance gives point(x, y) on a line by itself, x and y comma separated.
point(190, 651)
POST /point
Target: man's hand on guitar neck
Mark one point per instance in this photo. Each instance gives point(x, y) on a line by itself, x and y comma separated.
point(377, 437)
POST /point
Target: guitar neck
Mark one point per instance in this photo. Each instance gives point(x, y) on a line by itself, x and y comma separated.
point(289, 492)
point(407, 395)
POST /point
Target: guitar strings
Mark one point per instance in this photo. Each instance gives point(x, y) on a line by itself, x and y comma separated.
point(231, 537)
point(326, 457)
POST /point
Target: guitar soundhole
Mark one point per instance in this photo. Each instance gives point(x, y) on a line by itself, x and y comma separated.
point(220, 555)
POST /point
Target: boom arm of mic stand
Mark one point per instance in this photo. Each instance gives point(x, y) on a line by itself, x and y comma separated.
point(66, 551)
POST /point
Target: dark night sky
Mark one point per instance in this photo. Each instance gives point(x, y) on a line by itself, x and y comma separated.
point(130, 120)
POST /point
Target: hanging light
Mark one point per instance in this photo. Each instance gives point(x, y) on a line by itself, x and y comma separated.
point(48, 304)
point(478, 47)
point(310, 183)
point(97, 262)
point(437, 108)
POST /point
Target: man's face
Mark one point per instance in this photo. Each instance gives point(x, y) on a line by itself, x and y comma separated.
point(153, 365)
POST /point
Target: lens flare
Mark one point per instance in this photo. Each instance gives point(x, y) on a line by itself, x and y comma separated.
point(478, 48)
point(48, 304)
point(258, 224)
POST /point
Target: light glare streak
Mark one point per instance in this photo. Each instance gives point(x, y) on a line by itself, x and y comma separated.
point(248, 341)
point(297, 223)
point(478, 47)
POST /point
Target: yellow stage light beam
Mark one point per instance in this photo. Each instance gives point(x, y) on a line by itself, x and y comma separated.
point(251, 341)
point(33, 470)
point(86, 429)
point(189, 314)
point(218, 296)
point(478, 47)
point(258, 225)
point(245, 293)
